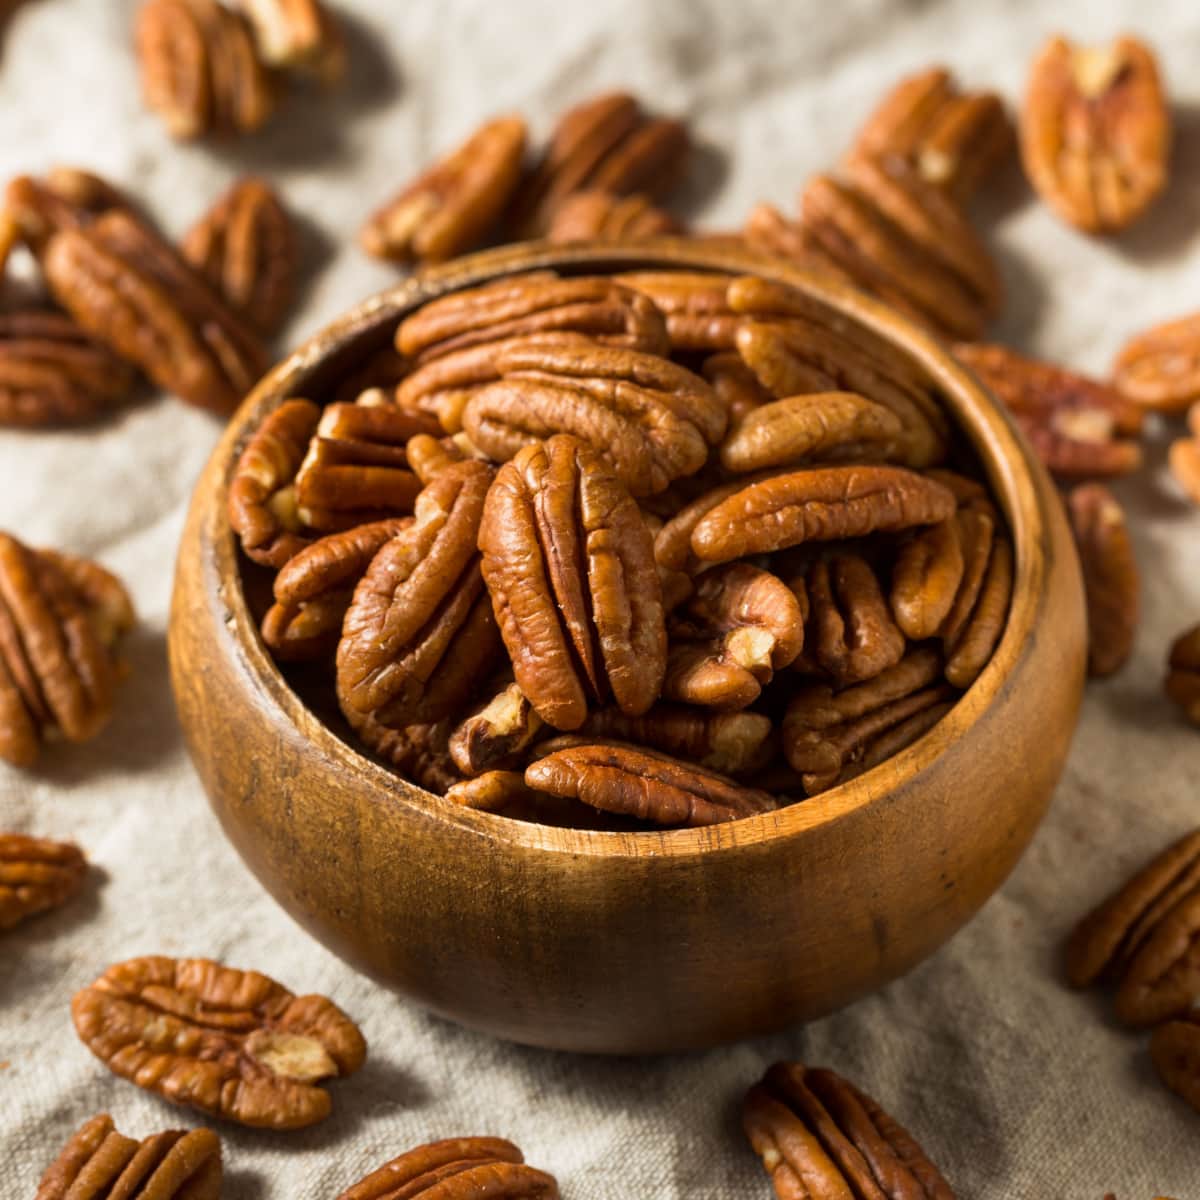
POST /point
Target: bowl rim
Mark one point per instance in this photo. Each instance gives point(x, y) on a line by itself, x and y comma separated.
point(1017, 480)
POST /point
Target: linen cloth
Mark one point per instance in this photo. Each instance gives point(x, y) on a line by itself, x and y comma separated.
point(1017, 1087)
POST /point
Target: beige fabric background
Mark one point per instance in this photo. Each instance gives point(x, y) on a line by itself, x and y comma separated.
point(1018, 1088)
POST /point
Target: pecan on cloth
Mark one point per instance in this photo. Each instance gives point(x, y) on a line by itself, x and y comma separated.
point(1183, 673)
point(587, 215)
point(297, 35)
point(230, 1043)
point(64, 198)
point(1175, 1052)
point(99, 1163)
point(36, 874)
point(1160, 369)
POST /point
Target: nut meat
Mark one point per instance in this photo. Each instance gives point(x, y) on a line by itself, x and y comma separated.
point(1160, 369)
point(36, 874)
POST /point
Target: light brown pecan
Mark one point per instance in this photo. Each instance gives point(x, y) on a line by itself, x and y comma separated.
point(262, 491)
point(631, 781)
point(1160, 369)
point(428, 456)
point(419, 631)
point(1175, 1052)
point(1162, 981)
point(245, 246)
point(36, 874)
point(451, 207)
point(819, 504)
point(497, 734)
point(953, 139)
point(969, 651)
point(313, 590)
point(497, 791)
point(130, 290)
point(926, 577)
point(299, 35)
point(736, 386)
point(694, 304)
point(1110, 576)
point(770, 233)
point(1183, 673)
point(456, 1169)
point(200, 68)
point(1096, 132)
point(231, 1043)
point(820, 1137)
point(570, 567)
point(584, 216)
point(64, 198)
point(673, 542)
point(1107, 940)
point(99, 1162)
point(1184, 457)
point(52, 373)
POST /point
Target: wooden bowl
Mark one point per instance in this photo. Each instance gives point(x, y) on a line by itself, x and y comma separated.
point(618, 942)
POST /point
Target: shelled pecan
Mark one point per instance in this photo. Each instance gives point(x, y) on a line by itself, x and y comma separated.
point(496, 734)
point(583, 216)
point(1162, 981)
point(64, 198)
point(768, 232)
point(36, 874)
point(231, 1043)
point(1160, 369)
point(1096, 132)
point(1183, 673)
point(926, 578)
point(695, 305)
point(100, 1162)
point(420, 751)
point(1175, 1052)
point(245, 246)
point(736, 385)
point(299, 35)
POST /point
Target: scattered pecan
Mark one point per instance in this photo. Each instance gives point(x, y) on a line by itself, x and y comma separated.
point(629, 780)
point(819, 1136)
point(497, 734)
point(297, 34)
point(1095, 132)
point(99, 1162)
point(773, 235)
point(456, 1169)
point(245, 246)
point(926, 578)
point(200, 68)
point(584, 216)
point(570, 567)
point(52, 373)
point(1110, 576)
point(65, 198)
point(1175, 1052)
point(36, 874)
point(1162, 982)
point(420, 630)
point(452, 206)
point(129, 289)
point(1183, 674)
point(231, 1043)
point(1160, 369)
point(694, 304)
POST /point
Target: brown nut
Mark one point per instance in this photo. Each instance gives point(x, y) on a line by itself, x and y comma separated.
point(970, 651)
point(420, 752)
point(694, 304)
point(820, 504)
point(586, 216)
point(99, 1162)
point(231, 1043)
point(1160, 369)
point(419, 630)
point(771, 234)
point(570, 567)
point(736, 386)
point(451, 207)
point(926, 578)
point(64, 198)
point(263, 508)
point(299, 35)
point(1175, 1052)
point(1096, 132)
point(631, 781)
point(1183, 674)
point(245, 246)
point(52, 373)
point(1110, 576)
point(36, 874)
point(456, 1169)
point(497, 734)
point(819, 1136)
point(1162, 982)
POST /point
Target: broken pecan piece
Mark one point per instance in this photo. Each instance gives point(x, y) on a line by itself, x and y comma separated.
point(300, 35)
point(100, 1162)
point(1096, 132)
point(36, 874)
point(1183, 674)
point(1160, 369)
point(497, 734)
point(584, 216)
point(631, 781)
point(231, 1043)
point(451, 207)
point(1175, 1052)
point(570, 567)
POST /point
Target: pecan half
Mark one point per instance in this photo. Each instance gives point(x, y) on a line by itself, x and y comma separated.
point(456, 1169)
point(1110, 576)
point(451, 207)
point(570, 567)
point(1183, 674)
point(773, 235)
point(419, 630)
point(231, 1043)
point(1160, 369)
point(819, 1136)
point(736, 386)
point(52, 373)
point(262, 491)
point(1095, 131)
point(428, 456)
point(926, 577)
point(300, 35)
point(1175, 1052)
point(245, 246)
point(820, 504)
point(1162, 981)
point(129, 289)
point(631, 781)
point(970, 650)
point(99, 1162)
point(36, 874)
point(497, 734)
point(694, 304)
point(64, 198)
point(584, 216)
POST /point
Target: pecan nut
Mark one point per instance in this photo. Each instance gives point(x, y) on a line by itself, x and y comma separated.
point(570, 567)
point(969, 651)
point(497, 734)
point(736, 386)
point(1160, 369)
point(299, 35)
point(926, 578)
point(1183, 674)
point(1175, 1052)
point(1095, 132)
point(818, 1135)
point(100, 1162)
point(419, 752)
point(245, 246)
point(694, 304)
point(65, 198)
point(456, 1169)
point(36, 874)
point(585, 216)
point(1110, 576)
point(630, 781)
point(451, 207)
point(1162, 981)
point(768, 232)
point(231, 1043)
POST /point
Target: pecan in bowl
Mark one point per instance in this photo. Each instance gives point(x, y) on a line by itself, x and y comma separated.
point(645, 612)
